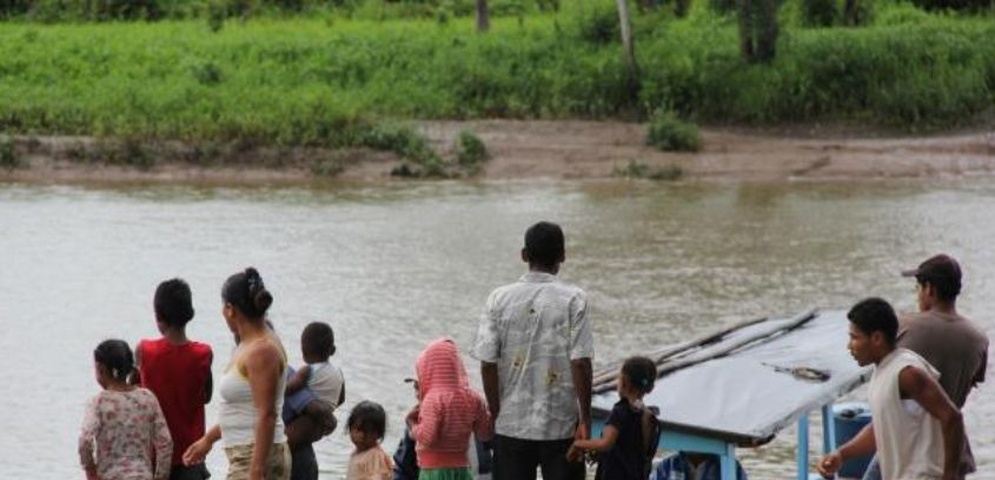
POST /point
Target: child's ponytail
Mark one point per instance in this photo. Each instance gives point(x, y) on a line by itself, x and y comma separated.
point(116, 356)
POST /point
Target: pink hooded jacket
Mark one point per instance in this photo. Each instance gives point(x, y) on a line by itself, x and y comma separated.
point(449, 409)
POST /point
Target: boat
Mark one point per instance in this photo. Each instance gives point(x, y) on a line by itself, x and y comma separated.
point(741, 386)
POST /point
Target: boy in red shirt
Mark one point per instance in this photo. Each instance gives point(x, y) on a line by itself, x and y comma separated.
point(178, 371)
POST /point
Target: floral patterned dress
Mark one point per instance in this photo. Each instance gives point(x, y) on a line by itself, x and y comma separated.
point(125, 436)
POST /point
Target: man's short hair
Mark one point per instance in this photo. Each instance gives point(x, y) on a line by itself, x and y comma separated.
point(942, 272)
point(172, 302)
point(875, 315)
point(544, 243)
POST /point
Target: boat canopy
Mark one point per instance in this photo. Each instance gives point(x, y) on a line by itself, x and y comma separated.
point(745, 384)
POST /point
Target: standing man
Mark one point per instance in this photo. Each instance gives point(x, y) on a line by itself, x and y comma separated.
point(949, 342)
point(915, 428)
point(535, 349)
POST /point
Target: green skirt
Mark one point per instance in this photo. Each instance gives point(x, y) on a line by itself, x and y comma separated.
point(462, 473)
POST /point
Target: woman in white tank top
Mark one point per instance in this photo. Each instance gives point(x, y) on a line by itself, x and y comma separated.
point(251, 388)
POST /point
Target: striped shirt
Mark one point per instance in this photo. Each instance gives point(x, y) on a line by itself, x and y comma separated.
point(449, 410)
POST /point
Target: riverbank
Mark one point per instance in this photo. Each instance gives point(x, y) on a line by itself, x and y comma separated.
point(528, 150)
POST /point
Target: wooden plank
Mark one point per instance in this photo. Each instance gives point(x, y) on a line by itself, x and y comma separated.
point(666, 367)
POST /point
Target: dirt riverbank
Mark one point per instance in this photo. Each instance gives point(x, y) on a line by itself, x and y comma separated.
point(536, 150)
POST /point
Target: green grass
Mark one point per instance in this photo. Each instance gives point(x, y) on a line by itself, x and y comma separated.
point(335, 82)
point(668, 133)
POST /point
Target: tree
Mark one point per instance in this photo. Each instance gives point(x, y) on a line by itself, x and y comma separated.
point(483, 16)
point(628, 48)
point(758, 30)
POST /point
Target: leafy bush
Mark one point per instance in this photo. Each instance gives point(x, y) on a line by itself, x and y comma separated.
point(470, 150)
point(599, 24)
point(819, 13)
point(9, 158)
point(962, 5)
point(400, 139)
point(724, 7)
point(669, 133)
point(9, 8)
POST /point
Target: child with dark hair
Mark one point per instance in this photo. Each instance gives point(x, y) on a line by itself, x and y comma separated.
point(322, 377)
point(367, 423)
point(448, 414)
point(123, 427)
point(627, 443)
point(178, 371)
point(312, 393)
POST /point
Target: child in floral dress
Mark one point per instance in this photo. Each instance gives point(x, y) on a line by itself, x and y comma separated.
point(124, 434)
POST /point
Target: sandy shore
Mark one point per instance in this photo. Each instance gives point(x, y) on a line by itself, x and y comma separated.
point(553, 150)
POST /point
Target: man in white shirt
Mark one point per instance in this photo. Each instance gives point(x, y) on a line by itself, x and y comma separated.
point(535, 349)
point(917, 431)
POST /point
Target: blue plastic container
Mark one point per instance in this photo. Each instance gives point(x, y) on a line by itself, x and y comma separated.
point(849, 419)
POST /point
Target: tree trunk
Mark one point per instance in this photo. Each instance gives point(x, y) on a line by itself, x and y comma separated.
point(746, 29)
point(629, 49)
point(850, 13)
point(483, 16)
point(767, 41)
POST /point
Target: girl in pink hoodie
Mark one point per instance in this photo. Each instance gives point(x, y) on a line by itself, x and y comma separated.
point(448, 412)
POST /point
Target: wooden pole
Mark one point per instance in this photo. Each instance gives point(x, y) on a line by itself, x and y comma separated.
point(665, 368)
point(609, 372)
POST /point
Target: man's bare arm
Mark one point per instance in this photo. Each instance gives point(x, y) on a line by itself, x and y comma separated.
point(489, 375)
point(919, 386)
point(582, 377)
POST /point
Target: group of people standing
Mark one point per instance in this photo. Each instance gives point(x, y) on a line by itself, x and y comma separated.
point(925, 365)
point(534, 343)
point(148, 422)
point(535, 348)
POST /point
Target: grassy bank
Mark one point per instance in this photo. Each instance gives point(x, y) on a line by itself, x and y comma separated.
point(332, 81)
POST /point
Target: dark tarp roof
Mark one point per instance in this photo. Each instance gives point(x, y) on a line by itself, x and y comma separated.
point(750, 394)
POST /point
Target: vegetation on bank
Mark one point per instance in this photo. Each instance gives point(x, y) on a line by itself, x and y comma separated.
point(343, 78)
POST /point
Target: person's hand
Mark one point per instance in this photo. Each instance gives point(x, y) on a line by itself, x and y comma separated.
point(412, 418)
point(197, 452)
point(830, 464)
point(583, 431)
point(575, 453)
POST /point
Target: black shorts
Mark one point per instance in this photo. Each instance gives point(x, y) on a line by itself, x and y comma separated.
point(517, 459)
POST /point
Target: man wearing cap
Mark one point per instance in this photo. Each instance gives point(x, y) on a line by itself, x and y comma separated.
point(948, 341)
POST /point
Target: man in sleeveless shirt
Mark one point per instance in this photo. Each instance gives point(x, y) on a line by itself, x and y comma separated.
point(916, 430)
point(948, 341)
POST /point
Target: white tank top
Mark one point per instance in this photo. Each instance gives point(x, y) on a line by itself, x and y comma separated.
point(237, 413)
point(909, 440)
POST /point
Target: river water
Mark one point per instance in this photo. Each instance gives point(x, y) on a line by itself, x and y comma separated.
point(394, 266)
